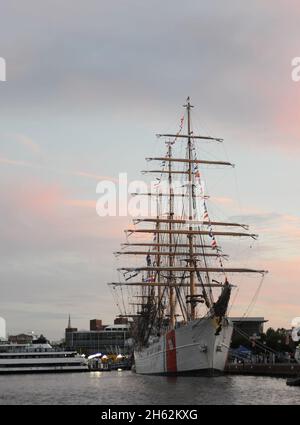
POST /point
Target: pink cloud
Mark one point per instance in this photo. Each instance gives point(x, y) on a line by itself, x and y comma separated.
point(41, 200)
point(81, 203)
point(287, 120)
point(95, 176)
point(279, 295)
point(222, 200)
point(27, 142)
point(15, 162)
point(84, 174)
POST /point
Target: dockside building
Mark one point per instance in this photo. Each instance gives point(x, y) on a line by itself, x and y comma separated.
point(105, 339)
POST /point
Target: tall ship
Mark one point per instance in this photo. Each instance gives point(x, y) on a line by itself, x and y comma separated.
point(177, 297)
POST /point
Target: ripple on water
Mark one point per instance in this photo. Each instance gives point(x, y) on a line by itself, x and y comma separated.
point(128, 388)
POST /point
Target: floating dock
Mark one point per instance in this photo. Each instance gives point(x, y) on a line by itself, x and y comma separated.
point(261, 369)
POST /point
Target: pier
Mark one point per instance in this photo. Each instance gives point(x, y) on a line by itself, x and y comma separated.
point(260, 369)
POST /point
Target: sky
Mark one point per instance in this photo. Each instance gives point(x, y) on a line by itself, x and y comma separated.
point(89, 84)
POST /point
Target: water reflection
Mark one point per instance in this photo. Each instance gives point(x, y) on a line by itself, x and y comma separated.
point(125, 387)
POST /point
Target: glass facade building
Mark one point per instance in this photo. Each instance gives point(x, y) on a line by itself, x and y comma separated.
point(111, 340)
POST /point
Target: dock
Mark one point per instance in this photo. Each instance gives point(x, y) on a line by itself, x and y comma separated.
point(109, 366)
point(261, 369)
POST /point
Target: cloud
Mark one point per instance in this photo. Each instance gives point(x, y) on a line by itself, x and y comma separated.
point(51, 251)
point(222, 200)
point(94, 176)
point(81, 203)
point(279, 234)
point(121, 70)
point(242, 81)
point(277, 300)
point(28, 143)
point(84, 174)
point(15, 162)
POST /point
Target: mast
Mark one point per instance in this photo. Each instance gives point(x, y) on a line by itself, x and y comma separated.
point(158, 258)
point(171, 257)
point(190, 185)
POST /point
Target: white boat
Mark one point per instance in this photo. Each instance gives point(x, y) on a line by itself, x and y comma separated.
point(35, 357)
point(179, 320)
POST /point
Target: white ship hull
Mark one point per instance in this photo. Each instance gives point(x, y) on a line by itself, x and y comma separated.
point(43, 369)
point(190, 349)
point(30, 359)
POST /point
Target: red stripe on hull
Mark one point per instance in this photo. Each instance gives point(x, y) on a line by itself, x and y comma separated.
point(171, 351)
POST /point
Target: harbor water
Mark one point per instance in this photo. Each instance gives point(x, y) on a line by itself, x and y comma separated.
point(125, 387)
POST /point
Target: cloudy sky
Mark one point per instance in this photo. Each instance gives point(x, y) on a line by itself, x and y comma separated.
point(89, 84)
